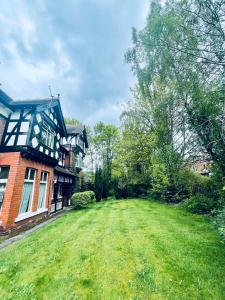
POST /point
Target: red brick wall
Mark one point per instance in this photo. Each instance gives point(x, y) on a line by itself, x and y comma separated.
point(69, 158)
point(14, 188)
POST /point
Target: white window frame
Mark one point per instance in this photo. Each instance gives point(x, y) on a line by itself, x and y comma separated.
point(50, 135)
point(32, 194)
point(42, 181)
point(79, 160)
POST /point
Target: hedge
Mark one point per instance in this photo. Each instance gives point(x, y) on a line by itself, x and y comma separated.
point(200, 204)
point(82, 199)
point(219, 222)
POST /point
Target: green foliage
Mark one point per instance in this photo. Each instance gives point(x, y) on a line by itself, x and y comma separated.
point(190, 183)
point(92, 196)
point(179, 99)
point(99, 184)
point(72, 121)
point(81, 200)
point(102, 141)
point(219, 222)
point(200, 204)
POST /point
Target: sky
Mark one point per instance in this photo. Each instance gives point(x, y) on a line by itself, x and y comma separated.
point(75, 46)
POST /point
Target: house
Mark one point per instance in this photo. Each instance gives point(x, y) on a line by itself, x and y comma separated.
point(202, 167)
point(76, 144)
point(36, 177)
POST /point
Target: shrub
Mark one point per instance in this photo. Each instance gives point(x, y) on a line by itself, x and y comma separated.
point(189, 183)
point(92, 196)
point(200, 204)
point(81, 200)
point(219, 222)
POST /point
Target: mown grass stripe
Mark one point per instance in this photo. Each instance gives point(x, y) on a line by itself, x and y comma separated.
point(133, 249)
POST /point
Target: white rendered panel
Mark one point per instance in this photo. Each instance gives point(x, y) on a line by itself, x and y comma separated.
point(16, 115)
point(24, 126)
point(11, 126)
point(22, 140)
point(11, 141)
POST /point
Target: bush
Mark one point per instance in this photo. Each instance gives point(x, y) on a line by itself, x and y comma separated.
point(92, 196)
point(219, 222)
point(81, 200)
point(189, 183)
point(200, 204)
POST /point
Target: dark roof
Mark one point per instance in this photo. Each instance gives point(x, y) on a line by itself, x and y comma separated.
point(78, 129)
point(75, 129)
point(14, 104)
point(5, 98)
point(63, 170)
point(33, 102)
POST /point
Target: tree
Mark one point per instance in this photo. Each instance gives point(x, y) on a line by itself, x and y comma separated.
point(180, 54)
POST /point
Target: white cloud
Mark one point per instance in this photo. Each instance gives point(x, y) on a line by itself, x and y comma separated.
point(74, 50)
point(21, 75)
point(108, 113)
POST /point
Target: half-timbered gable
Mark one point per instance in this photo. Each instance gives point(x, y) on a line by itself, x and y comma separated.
point(47, 132)
point(35, 124)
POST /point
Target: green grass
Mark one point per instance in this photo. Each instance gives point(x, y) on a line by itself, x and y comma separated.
point(132, 249)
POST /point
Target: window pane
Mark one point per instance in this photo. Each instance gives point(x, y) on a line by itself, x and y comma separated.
point(41, 196)
point(26, 200)
point(47, 135)
point(4, 172)
point(45, 176)
point(2, 192)
point(32, 173)
point(27, 174)
point(43, 135)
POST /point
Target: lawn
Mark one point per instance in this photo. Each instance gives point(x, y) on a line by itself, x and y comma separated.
point(132, 249)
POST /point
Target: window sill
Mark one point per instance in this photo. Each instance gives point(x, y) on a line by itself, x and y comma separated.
point(30, 214)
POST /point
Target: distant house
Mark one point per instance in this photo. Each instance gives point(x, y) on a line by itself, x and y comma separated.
point(37, 156)
point(202, 167)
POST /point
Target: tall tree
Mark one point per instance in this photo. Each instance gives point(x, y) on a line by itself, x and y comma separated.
point(181, 50)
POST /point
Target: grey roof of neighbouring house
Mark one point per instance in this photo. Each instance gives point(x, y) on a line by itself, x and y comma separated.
point(63, 170)
point(78, 129)
point(75, 129)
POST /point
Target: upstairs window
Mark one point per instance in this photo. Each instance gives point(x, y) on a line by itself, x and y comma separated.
point(47, 135)
point(79, 161)
point(43, 189)
point(4, 173)
point(28, 191)
point(61, 159)
point(81, 143)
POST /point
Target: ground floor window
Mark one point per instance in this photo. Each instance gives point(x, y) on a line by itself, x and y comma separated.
point(28, 191)
point(4, 173)
point(43, 189)
point(60, 190)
